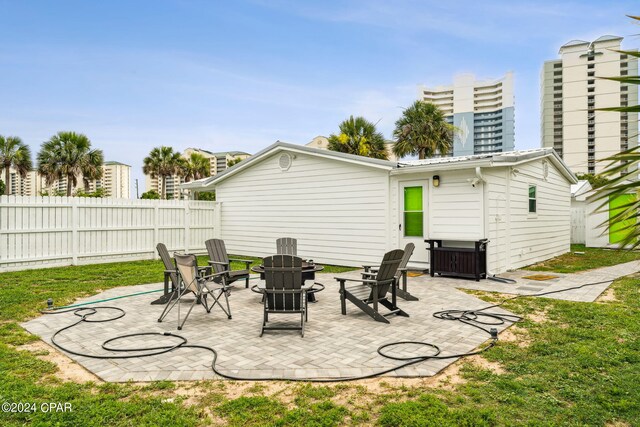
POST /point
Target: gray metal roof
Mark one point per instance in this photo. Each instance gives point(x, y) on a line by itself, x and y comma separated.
point(503, 156)
point(489, 159)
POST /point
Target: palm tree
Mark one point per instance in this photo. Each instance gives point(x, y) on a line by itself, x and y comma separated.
point(161, 163)
point(196, 167)
point(422, 130)
point(622, 174)
point(359, 136)
point(13, 152)
point(68, 155)
point(92, 167)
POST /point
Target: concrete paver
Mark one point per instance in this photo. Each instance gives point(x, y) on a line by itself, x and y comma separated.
point(334, 345)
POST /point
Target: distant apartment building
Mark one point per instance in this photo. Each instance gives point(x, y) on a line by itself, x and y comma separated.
point(31, 185)
point(218, 162)
point(322, 143)
point(572, 93)
point(481, 110)
point(116, 179)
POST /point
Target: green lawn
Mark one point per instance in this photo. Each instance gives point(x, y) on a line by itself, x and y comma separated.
point(582, 258)
point(579, 366)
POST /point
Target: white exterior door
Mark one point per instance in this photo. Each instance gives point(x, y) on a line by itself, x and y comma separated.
point(413, 218)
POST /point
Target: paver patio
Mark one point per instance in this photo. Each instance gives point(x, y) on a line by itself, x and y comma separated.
point(562, 281)
point(333, 346)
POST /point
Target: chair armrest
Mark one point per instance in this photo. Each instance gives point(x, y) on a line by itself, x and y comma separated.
point(241, 260)
point(284, 291)
point(170, 271)
point(367, 281)
point(218, 263)
point(209, 276)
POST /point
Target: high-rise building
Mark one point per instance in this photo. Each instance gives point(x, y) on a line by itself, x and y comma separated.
point(218, 162)
point(572, 93)
point(482, 112)
point(32, 184)
point(115, 181)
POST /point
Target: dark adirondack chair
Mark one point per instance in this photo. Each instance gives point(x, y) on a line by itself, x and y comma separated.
point(284, 291)
point(220, 262)
point(202, 287)
point(171, 275)
point(401, 274)
point(372, 291)
point(287, 246)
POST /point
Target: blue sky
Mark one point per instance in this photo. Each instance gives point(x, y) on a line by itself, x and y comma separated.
point(240, 75)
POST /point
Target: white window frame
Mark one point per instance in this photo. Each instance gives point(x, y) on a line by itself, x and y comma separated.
point(535, 199)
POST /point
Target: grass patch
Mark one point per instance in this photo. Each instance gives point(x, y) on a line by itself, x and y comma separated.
point(591, 258)
point(428, 411)
point(264, 411)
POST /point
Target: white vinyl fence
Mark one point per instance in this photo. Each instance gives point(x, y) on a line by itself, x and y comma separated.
point(578, 222)
point(52, 231)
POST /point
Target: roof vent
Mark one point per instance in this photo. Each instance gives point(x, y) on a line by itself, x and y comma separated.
point(284, 162)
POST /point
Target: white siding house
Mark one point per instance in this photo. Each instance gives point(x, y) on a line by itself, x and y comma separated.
point(349, 210)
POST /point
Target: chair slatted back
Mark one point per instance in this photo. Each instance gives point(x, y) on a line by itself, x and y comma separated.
point(387, 271)
point(168, 263)
point(187, 266)
point(217, 252)
point(408, 251)
point(287, 246)
point(283, 272)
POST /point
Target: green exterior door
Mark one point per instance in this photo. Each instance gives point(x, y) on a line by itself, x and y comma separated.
point(413, 213)
point(618, 231)
point(413, 227)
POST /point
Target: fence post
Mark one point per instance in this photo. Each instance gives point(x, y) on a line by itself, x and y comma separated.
point(74, 231)
point(187, 226)
point(4, 213)
point(217, 220)
point(155, 228)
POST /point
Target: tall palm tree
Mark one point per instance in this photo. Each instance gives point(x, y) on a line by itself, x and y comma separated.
point(422, 130)
point(13, 152)
point(622, 174)
point(92, 167)
point(359, 136)
point(68, 155)
point(161, 163)
point(196, 167)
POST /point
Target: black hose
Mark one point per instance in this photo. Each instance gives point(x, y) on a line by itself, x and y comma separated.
point(502, 279)
point(476, 318)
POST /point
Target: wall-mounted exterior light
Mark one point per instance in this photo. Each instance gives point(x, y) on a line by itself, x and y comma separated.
point(436, 180)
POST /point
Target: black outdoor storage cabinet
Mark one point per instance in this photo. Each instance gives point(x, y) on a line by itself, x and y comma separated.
point(460, 262)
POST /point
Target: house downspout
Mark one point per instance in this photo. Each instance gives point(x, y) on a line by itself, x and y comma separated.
point(507, 252)
point(485, 207)
point(479, 174)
